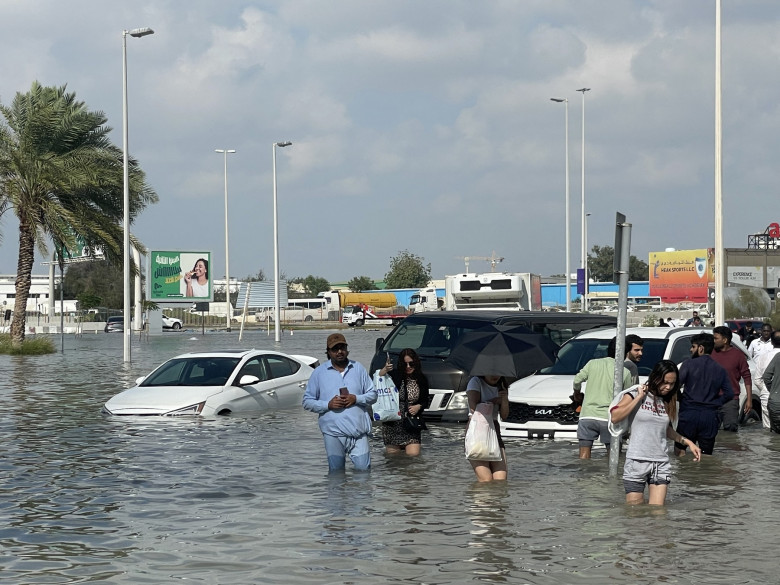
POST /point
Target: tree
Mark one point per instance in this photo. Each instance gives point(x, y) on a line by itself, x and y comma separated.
point(259, 277)
point(360, 283)
point(408, 271)
point(600, 265)
point(314, 285)
point(63, 179)
point(100, 279)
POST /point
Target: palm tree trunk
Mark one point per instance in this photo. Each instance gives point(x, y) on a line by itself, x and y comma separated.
point(23, 282)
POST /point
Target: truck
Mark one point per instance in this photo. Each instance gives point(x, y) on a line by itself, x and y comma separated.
point(513, 291)
point(426, 299)
point(336, 300)
point(359, 315)
point(218, 309)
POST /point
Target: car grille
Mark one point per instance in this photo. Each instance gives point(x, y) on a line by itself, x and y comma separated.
point(520, 413)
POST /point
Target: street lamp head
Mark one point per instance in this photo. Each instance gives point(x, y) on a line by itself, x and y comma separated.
point(282, 144)
point(222, 150)
point(559, 100)
point(141, 32)
point(583, 90)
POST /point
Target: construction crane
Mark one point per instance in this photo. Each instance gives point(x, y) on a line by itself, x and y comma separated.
point(493, 259)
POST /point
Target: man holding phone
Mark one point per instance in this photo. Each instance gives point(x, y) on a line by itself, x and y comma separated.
point(340, 391)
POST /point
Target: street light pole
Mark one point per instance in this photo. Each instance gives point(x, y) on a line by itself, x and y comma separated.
point(585, 273)
point(583, 260)
point(227, 251)
point(137, 33)
point(277, 312)
point(720, 261)
point(568, 246)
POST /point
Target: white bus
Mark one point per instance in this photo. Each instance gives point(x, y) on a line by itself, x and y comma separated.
point(298, 310)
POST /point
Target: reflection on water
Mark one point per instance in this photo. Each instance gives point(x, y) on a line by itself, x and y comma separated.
point(249, 500)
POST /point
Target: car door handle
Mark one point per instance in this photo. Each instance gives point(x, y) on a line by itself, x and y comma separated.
point(301, 384)
point(271, 393)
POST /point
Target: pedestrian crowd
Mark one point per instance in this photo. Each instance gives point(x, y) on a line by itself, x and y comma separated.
point(687, 403)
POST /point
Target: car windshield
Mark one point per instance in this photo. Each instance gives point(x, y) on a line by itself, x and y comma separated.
point(576, 353)
point(429, 339)
point(193, 371)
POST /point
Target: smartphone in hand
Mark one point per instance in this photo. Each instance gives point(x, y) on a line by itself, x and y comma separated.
point(344, 391)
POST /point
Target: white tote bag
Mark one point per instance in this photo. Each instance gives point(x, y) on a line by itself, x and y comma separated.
point(386, 408)
point(481, 438)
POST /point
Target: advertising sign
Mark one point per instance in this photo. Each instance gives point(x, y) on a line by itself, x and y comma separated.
point(682, 275)
point(180, 276)
point(746, 275)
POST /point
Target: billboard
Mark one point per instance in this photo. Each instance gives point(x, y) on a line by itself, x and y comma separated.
point(180, 276)
point(682, 275)
point(746, 275)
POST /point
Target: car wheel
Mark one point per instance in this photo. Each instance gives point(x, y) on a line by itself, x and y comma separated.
point(224, 412)
point(308, 318)
point(359, 322)
point(177, 325)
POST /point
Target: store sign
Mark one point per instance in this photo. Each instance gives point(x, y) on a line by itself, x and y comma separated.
point(681, 275)
point(746, 275)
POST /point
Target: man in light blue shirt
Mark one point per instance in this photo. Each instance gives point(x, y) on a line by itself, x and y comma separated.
point(340, 391)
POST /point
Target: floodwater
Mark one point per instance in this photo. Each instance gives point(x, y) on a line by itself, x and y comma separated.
point(245, 500)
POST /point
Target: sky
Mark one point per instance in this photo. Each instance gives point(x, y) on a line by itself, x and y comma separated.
point(420, 126)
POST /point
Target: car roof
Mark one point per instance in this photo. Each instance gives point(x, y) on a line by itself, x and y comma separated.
point(506, 317)
point(643, 332)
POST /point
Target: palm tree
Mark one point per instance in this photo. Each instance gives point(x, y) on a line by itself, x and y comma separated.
point(63, 179)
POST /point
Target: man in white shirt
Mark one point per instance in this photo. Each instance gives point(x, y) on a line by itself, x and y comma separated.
point(761, 364)
point(763, 344)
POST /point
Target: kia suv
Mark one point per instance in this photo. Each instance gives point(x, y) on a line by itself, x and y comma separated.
point(540, 405)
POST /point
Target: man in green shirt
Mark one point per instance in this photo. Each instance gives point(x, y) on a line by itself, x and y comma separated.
point(594, 416)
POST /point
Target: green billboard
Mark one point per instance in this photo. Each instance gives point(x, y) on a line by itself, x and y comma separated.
point(180, 276)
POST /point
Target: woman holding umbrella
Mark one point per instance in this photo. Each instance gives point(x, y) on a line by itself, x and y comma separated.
point(494, 390)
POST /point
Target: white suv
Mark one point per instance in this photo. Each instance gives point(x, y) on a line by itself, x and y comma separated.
point(540, 405)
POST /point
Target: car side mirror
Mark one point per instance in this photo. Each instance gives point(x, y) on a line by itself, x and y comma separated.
point(248, 380)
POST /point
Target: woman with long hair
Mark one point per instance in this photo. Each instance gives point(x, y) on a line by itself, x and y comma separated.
point(195, 282)
point(413, 396)
point(652, 409)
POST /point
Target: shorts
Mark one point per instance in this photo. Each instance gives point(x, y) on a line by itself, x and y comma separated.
point(590, 429)
point(700, 425)
point(638, 473)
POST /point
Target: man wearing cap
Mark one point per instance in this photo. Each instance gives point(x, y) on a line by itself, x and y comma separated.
point(340, 391)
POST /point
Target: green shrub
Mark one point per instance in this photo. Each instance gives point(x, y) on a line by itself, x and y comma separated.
point(30, 346)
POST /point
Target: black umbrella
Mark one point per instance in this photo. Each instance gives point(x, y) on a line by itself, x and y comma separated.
point(498, 350)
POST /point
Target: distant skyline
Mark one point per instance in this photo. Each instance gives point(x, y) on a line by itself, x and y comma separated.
point(420, 126)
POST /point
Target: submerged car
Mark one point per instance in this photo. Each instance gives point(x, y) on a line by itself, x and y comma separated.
point(115, 324)
point(540, 405)
point(217, 383)
point(171, 322)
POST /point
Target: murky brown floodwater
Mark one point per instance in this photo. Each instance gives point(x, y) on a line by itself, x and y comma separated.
point(248, 500)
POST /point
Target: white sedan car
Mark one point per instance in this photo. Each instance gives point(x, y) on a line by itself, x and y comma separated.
point(218, 382)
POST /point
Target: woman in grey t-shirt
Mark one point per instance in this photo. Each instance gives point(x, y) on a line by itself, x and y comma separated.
point(652, 407)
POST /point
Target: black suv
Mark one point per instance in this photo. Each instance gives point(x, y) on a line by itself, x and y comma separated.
point(433, 334)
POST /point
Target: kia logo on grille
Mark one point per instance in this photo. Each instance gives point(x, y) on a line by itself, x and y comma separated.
point(543, 411)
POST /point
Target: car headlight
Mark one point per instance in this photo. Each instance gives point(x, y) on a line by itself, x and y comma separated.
point(188, 410)
point(459, 401)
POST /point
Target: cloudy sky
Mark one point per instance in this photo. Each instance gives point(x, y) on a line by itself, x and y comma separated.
point(419, 125)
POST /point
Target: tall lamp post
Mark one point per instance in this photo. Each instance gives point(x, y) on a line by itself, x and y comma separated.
point(583, 260)
point(585, 273)
point(137, 33)
point(277, 312)
point(568, 246)
point(227, 251)
point(720, 261)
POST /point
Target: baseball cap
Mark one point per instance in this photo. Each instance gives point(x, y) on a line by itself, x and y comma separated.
point(335, 339)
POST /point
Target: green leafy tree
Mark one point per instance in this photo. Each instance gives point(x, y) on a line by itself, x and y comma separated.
point(63, 179)
point(408, 270)
point(100, 279)
point(259, 277)
point(88, 301)
point(601, 264)
point(314, 285)
point(359, 283)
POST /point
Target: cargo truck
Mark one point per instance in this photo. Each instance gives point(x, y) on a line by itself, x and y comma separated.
point(336, 300)
point(426, 299)
point(359, 315)
point(514, 291)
